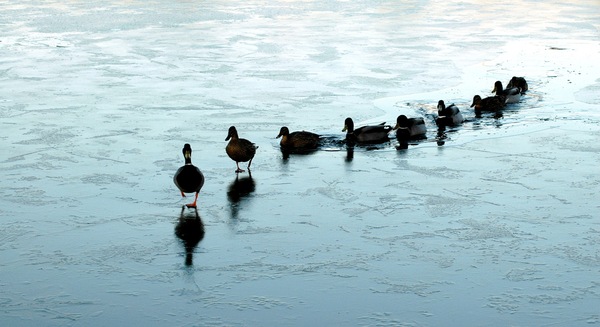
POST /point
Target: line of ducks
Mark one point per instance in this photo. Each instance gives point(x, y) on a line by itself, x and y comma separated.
point(511, 94)
point(189, 179)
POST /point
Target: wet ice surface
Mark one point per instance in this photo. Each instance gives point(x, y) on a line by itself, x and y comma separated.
point(498, 226)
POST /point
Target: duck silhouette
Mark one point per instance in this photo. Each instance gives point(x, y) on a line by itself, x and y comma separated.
point(188, 178)
point(297, 142)
point(494, 104)
point(509, 94)
point(448, 116)
point(366, 134)
point(519, 82)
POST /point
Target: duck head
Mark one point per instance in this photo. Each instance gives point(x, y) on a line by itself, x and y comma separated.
point(497, 87)
point(232, 133)
point(476, 101)
point(348, 125)
point(441, 105)
point(284, 131)
point(401, 121)
point(187, 153)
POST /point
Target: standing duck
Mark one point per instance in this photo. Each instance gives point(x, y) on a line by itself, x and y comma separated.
point(510, 95)
point(297, 141)
point(239, 150)
point(366, 134)
point(519, 82)
point(494, 104)
point(448, 116)
point(188, 178)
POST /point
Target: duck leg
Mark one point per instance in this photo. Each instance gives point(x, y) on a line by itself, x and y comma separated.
point(183, 195)
point(239, 170)
point(193, 204)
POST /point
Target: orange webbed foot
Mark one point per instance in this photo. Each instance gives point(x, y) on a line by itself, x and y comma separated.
point(193, 204)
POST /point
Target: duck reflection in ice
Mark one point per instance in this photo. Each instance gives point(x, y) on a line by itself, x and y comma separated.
point(190, 230)
point(349, 153)
point(238, 190)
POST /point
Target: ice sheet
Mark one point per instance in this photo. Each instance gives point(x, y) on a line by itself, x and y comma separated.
point(498, 226)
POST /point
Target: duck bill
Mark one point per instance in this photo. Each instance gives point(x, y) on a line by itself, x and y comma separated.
point(396, 127)
point(278, 136)
point(345, 128)
point(187, 154)
point(494, 90)
point(228, 137)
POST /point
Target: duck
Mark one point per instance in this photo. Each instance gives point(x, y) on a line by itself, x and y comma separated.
point(366, 134)
point(297, 141)
point(188, 178)
point(510, 95)
point(448, 116)
point(493, 103)
point(519, 82)
point(409, 128)
point(239, 150)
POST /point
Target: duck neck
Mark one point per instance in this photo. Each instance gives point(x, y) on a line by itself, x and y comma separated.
point(499, 89)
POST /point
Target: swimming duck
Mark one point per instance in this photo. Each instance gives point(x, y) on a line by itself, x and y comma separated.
point(448, 116)
point(410, 127)
point(519, 82)
point(494, 104)
point(239, 150)
point(366, 134)
point(510, 95)
point(297, 141)
point(189, 178)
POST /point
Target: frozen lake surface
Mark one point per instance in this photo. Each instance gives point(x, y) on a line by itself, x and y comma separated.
point(499, 226)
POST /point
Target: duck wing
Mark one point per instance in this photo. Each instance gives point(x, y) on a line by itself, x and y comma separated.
point(511, 91)
point(373, 133)
point(303, 140)
point(241, 150)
